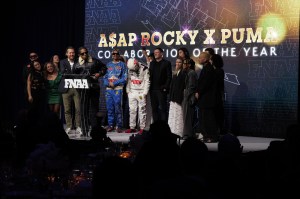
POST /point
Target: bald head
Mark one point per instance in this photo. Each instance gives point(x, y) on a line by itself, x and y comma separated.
point(203, 57)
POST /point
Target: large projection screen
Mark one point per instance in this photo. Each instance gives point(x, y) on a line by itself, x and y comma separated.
point(258, 40)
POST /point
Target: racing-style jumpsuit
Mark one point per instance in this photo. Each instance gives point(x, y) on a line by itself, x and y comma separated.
point(137, 88)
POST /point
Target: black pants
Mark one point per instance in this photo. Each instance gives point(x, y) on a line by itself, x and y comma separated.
point(219, 114)
point(208, 124)
point(159, 105)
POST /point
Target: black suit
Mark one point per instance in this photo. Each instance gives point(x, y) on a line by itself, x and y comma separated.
point(219, 110)
point(65, 67)
point(177, 87)
point(160, 79)
point(207, 90)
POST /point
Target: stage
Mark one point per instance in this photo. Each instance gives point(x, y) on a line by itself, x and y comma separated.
point(250, 144)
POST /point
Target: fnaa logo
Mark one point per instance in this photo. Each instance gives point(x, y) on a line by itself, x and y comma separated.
point(76, 83)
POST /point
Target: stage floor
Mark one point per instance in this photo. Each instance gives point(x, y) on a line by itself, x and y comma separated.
point(249, 143)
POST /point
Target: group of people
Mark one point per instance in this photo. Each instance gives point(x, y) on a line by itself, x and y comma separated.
point(181, 98)
point(196, 96)
point(40, 83)
point(46, 90)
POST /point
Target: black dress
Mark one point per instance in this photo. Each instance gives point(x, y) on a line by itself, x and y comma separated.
point(38, 106)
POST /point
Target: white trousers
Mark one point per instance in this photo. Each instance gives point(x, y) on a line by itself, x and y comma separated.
point(137, 104)
point(175, 120)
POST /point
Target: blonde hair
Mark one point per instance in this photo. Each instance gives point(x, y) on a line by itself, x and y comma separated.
point(205, 54)
point(45, 68)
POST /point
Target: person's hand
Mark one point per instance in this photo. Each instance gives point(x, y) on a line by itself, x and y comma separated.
point(196, 95)
point(30, 99)
point(95, 76)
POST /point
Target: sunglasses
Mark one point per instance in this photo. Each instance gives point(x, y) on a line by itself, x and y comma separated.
point(32, 56)
point(115, 54)
point(84, 53)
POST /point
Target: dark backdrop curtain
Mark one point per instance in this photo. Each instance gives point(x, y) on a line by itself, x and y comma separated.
point(46, 27)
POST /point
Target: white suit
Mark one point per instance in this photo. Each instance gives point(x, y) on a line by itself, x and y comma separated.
point(137, 88)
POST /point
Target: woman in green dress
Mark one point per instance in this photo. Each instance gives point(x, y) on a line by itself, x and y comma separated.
point(53, 78)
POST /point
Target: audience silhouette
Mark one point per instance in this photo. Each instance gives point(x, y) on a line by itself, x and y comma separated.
point(282, 164)
point(158, 158)
point(191, 179)
point(114, 178)
point(162, 167)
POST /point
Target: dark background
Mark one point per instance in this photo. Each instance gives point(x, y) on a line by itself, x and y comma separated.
point(261, 90)
point(46, 27)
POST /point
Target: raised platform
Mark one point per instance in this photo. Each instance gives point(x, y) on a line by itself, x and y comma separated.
point(249, 143)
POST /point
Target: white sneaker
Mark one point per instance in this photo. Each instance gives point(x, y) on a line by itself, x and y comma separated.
point(78, 130)
point(68, 130)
